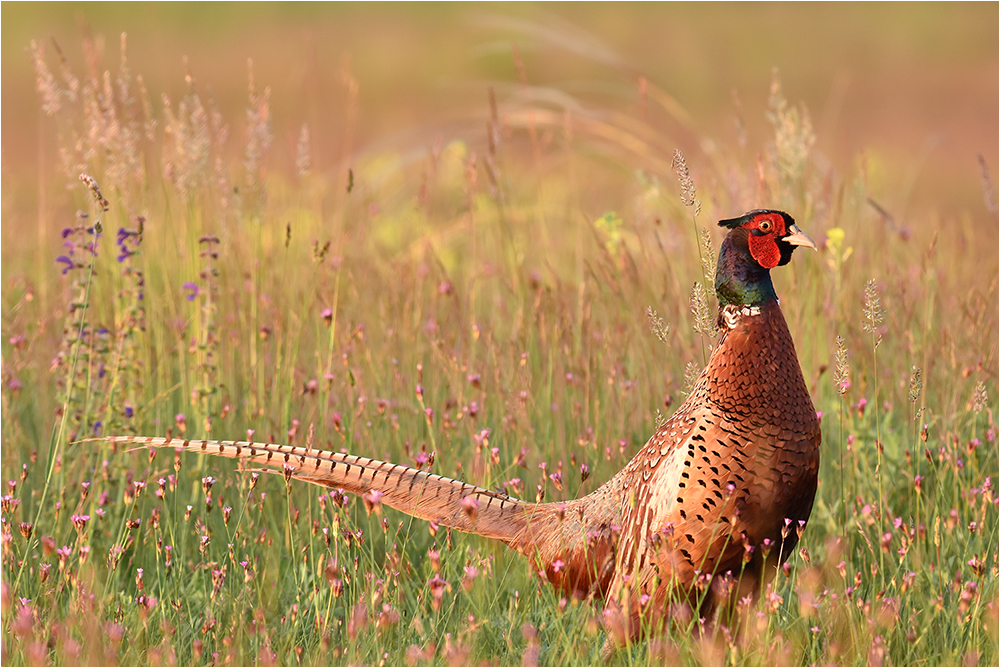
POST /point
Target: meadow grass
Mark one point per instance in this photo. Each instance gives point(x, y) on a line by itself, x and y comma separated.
point(484, 307)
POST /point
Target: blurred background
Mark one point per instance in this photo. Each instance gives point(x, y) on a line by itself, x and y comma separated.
point(908, 89)
point(494, 183)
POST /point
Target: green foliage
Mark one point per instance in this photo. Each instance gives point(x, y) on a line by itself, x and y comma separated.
point(453, 311)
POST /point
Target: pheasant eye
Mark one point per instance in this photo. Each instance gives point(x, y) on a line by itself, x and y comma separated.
point(764, 225)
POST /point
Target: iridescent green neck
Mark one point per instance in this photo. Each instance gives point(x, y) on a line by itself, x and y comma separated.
point(739, 279)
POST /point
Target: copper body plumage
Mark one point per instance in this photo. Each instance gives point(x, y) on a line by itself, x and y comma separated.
point(701, 516)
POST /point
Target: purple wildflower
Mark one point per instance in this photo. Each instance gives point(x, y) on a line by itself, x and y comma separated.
point(69, 264)
point(193, 290)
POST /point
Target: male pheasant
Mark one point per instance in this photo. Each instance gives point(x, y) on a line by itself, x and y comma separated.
point(705, 511)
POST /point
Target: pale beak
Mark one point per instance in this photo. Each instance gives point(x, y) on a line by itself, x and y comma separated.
point(799, 238)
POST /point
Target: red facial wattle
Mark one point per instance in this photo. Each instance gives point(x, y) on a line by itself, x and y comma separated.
point(765, 251)
point(764, 231)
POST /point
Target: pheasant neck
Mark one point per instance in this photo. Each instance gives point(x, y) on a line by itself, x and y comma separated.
point(739, 279)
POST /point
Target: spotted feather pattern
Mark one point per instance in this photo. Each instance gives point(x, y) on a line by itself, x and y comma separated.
point(735, 465)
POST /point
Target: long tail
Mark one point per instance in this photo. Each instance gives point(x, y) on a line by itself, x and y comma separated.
point(451, 503)
point(572, 542)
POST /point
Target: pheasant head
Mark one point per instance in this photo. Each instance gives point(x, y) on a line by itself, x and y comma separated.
point(760, 240)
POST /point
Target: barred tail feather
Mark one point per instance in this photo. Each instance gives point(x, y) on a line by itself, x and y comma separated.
point(451, 503)
point(572, 543)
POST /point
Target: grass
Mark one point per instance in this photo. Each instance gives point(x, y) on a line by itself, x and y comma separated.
point(403, 303)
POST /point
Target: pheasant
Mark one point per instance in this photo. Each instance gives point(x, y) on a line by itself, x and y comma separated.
point(702, 515)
